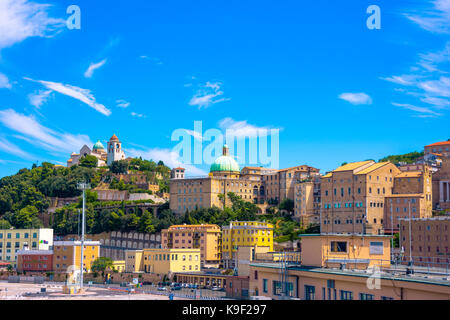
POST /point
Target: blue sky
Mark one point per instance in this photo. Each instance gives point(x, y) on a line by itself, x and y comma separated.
point(337, 90)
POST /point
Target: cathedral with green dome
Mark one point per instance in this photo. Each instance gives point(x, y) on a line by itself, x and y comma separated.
point(225, 164)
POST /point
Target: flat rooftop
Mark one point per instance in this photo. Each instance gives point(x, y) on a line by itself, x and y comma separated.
point(421, 275)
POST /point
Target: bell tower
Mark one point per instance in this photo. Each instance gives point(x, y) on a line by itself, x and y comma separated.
point(115, 152)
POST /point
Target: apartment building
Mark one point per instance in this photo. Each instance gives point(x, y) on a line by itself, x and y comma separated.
point(429, 243)
point(13, 240)
point(206, 237)
point(441, 148)
point(411, 197)
point(169, 261)
point(307, 201)
point(343, 267)
point(244, 233)
point(34, 260)
point(353, 197)
point(134, 261)
point(68, 253)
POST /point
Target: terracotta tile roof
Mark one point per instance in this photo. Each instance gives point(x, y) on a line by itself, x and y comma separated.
point(442, 143)
point(352, 166)
point(372, 167)
point(409, 174)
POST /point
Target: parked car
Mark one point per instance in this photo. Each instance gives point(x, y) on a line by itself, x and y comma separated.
point(162, 289)
point(176, 288)
point(217, 288)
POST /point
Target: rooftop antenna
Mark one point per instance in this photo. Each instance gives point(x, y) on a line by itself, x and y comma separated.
point(82, 186)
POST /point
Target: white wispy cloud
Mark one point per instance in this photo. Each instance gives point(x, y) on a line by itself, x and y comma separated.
point(356, 98)
point(30, 130)
point(83, 95)
point(139, 115)
point(4, 81)
point(242, 129)
point(435, 18)
point(208, 95)
point(21, 19)
point(38, 98)
point(428, 82)
point(416, 109)
point(169, 157)
point(155, 60)
point(122, 103)
point(8, 147)
point(92, 67)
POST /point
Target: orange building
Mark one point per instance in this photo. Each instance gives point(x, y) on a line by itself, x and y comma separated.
point(206, 237)
point(68, 253)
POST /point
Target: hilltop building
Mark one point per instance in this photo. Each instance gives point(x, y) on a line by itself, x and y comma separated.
point(262, 186)
point(104, 156)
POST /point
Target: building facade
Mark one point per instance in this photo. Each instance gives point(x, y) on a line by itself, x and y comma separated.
point(206, 237)
point(441, 186)
point(353, 197)
point(114, 151)
point(244, 233)
point(411, 197)
point(307, 201)
point(97, 151)
point(34, 260)
point(14, 240)
point(67, 254)
point(429, 243)
point(169, 261)
point(261, 186)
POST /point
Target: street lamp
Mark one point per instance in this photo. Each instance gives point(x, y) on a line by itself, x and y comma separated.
point(83, 186)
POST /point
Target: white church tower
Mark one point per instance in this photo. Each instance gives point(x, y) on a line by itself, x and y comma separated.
point(115, 152)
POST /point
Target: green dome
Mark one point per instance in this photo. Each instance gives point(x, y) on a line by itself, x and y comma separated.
point(225, 163)
point(98, 146)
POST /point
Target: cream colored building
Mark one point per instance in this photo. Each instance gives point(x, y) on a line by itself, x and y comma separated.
point(353, 197)
point(307, 201)
point(134, 261)
point(13, 240)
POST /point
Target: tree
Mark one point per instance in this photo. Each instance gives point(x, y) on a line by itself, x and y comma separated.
point(26, 218)
point(118, 167)
point(4, 224)
point(287, 204)
point(145, 223)
point(89, 161)
point(102, 264)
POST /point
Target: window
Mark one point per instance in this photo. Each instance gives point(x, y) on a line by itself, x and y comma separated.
point(265, 285)
point(338, 246)
point(366, 296)
point(386, 298)
point(346, 295)
point(310, 292)
point(277, 288)
point(376, 247)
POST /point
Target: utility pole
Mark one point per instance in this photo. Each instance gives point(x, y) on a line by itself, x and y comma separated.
point(83, 186)
point(410, 253)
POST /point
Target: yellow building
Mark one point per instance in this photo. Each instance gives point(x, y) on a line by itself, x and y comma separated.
point(244, 233)
point(68, 253)
point(206, 237)
point(169, 261)
point(13, 240)
point(133, 261)
point(119, 265)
